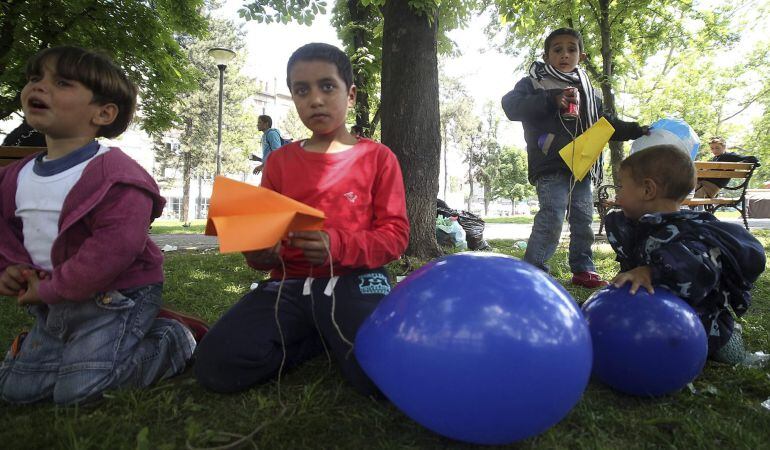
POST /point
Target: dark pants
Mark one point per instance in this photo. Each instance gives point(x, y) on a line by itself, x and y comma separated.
point(244, 347)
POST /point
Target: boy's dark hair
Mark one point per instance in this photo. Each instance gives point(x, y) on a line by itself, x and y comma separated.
point(318, 51)
point(267, 119)
point(562, 32)
point(98, 73)
point(670, 168)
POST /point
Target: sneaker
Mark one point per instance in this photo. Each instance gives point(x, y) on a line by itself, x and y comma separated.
point(16, 345)
point(196, 325)
point(590, 280)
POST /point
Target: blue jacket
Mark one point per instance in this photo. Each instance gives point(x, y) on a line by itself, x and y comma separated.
point(709, 263)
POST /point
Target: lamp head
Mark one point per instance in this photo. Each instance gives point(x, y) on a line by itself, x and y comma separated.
point(221, 55)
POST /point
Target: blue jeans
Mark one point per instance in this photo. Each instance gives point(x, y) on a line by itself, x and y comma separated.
point(553, 193)
point(77, 350)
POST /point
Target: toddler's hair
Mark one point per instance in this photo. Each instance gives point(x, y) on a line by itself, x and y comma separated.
point(671, 169)
point(97, 72)
point(317, 51)
point(562, 32)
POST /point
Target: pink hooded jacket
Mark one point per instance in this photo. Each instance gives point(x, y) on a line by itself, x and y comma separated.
point(103, 243)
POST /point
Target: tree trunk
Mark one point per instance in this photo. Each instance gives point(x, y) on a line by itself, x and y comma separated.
point(184, 212)
point(513, 206)
point(410, 116)
point(470, 179)
point(446, 159)
point(487, 197)
point(605, 26)
point(359, 16)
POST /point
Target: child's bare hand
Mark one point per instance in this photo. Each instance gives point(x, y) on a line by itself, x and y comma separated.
point(638, 277)
point(570, 96)
point(314, 244)
point(267, 257)
point(30, 295)
point(12, 281)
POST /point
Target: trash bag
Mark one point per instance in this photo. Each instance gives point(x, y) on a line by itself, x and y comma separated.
point(471, 223)
point(450, 233)
point(474, 230)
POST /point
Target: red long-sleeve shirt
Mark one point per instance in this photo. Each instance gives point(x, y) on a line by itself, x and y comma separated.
point(361, 191)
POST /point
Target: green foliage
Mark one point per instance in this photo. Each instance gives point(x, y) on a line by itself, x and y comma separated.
point(139, 35)
point(196, 128)
point(512, 183)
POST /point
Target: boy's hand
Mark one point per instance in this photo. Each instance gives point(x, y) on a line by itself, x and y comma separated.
point(267, 257)
point(314, 244)
point(12, 281)
point(30, 295)
point(570, 96)
point(645, 130)
point(639, 276)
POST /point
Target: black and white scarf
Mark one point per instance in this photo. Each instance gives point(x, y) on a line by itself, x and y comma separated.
point(539, 70)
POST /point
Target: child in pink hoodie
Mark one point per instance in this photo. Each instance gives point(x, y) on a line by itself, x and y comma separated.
point(74, 248)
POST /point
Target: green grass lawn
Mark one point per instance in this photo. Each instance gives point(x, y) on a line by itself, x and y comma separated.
point(323, 412)
point(177, 227)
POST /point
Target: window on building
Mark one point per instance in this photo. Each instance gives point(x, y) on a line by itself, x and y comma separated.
point(202, 208)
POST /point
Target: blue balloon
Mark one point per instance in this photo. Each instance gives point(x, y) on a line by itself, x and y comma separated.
point(670, 131)
point(645, 344)
point(478, 347)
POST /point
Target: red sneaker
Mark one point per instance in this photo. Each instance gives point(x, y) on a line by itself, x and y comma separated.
point(590, 280)
point(197, 326)
point(16, 345)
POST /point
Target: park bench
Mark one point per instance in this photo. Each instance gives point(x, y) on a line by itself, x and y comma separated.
point(605, 195)
point(12, 154)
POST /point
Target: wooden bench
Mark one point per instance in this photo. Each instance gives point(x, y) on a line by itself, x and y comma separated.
point(605, 195)
point(12, 154)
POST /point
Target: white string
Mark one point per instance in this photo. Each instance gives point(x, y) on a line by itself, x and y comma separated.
point(334, 299)
point(572, 180)
point(280, 331)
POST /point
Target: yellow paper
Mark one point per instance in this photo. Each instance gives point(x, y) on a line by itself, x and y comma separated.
point(247, 217)
point(583, 152)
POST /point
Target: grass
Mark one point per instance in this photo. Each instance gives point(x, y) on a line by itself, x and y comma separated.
point(177, 227)
point(322, 411)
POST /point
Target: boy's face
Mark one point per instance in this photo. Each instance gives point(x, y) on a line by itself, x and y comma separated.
point(564, 53)
point(630, 195)
point(62, 108)
point(261, 125)
point(320, 95)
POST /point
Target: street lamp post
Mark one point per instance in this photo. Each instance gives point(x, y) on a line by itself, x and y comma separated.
point(221, 56)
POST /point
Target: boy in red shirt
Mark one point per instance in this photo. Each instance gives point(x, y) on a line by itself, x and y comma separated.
point(329, 281)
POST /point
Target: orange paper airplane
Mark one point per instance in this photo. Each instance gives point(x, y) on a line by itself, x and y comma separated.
point(247, 217)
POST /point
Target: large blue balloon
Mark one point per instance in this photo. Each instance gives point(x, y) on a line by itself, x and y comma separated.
point(478, 347)
point(645, 344)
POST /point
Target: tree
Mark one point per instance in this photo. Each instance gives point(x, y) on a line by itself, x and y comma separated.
point(359, 26)
point(196, 128)
point(138, 34)
point(487, 163)
point(611, 30)
point(511, 181)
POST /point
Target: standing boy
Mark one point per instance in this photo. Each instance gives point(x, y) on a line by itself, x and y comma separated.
point(74, 248)
point(323, 284)
point(710, 264)
point(542, 102)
